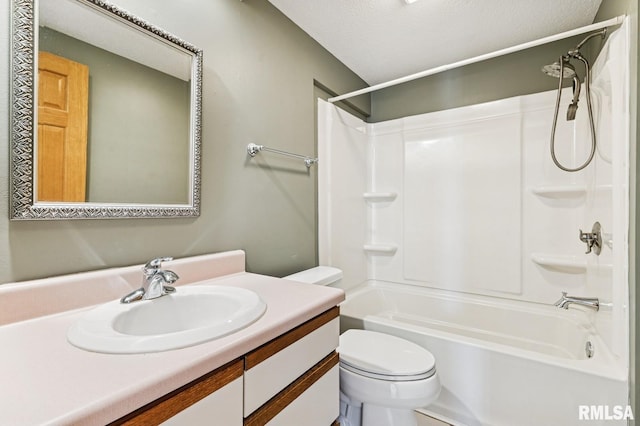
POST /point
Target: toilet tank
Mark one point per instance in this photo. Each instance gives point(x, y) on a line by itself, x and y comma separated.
point(320, 275)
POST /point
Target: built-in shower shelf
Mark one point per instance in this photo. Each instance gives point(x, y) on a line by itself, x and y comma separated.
point(383, 249)
point(560, 263)
point(560, 191)
point(377, 197)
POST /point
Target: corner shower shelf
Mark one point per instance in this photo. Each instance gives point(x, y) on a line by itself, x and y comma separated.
point(560, 263)
point(380, 196)
point(560, 191)
point(383, 249)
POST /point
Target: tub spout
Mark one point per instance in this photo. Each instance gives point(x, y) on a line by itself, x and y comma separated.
point(565, 301)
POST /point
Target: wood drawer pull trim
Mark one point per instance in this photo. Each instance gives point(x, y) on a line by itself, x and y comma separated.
point(258, 355)
point(279, 402)
point(171, 404)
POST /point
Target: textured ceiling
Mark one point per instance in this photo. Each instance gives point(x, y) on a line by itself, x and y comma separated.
point(385, 39)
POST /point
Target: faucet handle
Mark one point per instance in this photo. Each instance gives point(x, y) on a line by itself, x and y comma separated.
point(154, 264)
point(587, 237)
point(593, 239)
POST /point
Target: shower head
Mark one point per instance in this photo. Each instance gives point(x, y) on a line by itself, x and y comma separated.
point(553, 70)
point(564, 67)
point(573, 106)
point(568, 71)
point(561, 70)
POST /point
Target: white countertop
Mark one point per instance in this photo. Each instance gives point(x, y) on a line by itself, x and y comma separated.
point(46, 380)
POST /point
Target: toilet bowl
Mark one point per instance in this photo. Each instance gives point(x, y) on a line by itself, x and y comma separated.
point(383, 378)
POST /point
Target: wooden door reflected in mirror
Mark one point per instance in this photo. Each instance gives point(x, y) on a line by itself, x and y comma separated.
point(63, 98)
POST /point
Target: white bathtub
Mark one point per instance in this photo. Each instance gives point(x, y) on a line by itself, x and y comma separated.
point(501, 362)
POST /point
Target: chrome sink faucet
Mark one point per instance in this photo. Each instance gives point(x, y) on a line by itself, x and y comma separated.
point(565, 301)
point(156, 282)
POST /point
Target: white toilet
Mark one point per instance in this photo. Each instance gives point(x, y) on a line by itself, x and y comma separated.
point(383, 378)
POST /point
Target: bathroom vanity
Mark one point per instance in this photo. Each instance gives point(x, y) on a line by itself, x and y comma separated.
point(278, 370)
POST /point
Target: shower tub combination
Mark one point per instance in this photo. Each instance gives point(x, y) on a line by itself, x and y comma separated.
point(458, 233)
point(500, 362)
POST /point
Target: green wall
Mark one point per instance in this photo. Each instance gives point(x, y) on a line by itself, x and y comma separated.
point(258, 86)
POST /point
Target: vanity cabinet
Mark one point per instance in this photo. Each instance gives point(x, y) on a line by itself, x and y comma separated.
point(290, 380)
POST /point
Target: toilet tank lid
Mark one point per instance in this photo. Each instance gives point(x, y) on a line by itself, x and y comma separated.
point(321, 275)
point(384, 354)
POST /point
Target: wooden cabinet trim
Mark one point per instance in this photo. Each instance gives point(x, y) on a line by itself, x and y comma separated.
point(260, 354)
point(279, 402)
point(174, 402)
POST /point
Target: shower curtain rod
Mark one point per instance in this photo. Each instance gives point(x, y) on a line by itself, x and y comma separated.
point(598, 25)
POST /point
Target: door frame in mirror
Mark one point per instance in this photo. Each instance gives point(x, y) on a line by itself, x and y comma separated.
point(23, 126)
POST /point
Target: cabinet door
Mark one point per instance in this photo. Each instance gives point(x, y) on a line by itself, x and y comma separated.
point(223, 407)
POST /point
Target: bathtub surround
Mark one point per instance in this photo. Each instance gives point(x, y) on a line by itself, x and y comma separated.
point(468, 201)
point(630, 7)
point(482, 83)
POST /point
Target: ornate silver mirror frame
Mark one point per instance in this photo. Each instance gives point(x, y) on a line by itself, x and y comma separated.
point(23, 103)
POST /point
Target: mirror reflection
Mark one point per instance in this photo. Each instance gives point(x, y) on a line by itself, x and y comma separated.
point(117, 114)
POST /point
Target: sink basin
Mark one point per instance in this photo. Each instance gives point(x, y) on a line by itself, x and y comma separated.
point(191, 315)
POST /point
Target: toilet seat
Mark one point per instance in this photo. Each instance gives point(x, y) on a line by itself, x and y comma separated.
point(384, 357)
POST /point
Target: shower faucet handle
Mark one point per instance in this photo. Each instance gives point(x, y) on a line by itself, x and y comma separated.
point(586, 237)
point(593, 239)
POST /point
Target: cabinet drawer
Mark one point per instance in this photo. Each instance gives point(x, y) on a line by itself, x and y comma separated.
point(227, 380)
point(319, 405)
point(271, 368)
point(223, 407)
point(312, 400)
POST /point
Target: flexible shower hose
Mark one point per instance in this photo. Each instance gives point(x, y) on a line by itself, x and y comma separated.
point(555, 119)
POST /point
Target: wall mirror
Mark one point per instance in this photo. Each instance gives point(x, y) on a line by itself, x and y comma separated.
point(106, 114)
